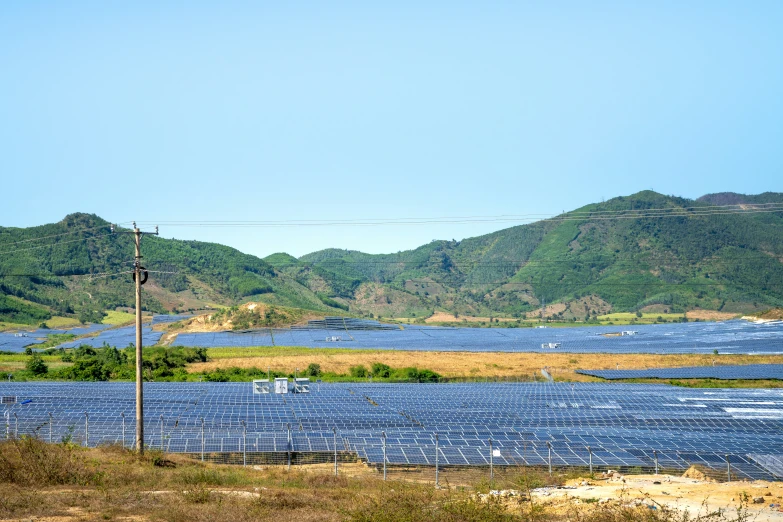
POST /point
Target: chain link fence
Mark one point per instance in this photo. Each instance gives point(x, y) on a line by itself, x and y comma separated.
point(428, 459)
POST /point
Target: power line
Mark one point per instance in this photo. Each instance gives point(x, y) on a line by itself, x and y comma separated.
point(56, 235)
point(55, 244)
point(570, 216)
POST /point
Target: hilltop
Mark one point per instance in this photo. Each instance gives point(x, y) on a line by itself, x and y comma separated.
point(581, 264)
point(246, 316)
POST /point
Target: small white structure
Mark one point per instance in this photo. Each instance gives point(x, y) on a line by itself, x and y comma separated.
point(334, 339)
point(261, 386)
point(550, 345)
point(629, 332)
point(281, 385)
point(302, 385)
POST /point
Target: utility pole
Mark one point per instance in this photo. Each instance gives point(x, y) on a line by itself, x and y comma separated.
point(140, 276)
point(139, 377)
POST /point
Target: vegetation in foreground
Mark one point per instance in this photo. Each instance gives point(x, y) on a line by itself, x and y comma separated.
point(62, 480)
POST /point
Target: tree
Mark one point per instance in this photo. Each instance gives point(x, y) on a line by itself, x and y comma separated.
point(36, 365)
point(313, 370)
point(639, 314)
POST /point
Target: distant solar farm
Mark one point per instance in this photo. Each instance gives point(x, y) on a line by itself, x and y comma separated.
point(612, 425)
point(731, 337)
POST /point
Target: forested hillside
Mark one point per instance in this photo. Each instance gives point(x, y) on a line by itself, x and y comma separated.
point(704, 258)
point(67, 267)
point(588, 261)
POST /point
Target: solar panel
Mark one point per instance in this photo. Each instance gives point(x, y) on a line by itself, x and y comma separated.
point(671, 338)
point(523, 421)
point(749, 371)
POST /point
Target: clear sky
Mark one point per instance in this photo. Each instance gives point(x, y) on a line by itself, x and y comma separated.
point(161, 111)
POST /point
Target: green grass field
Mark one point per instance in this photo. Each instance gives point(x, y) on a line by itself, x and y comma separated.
point(62, 322)
point(116, 318)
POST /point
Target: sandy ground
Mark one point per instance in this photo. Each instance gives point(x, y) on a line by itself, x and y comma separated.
point(695, 496)
point(471, 364)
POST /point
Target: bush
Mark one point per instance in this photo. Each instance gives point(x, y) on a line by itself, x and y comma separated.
point(381, 371)
point(313, 370)
point(36, 366)
point(359, 371)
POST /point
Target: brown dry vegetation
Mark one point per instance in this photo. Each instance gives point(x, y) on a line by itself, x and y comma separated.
point(463, 364)
point(775, 313)
point(709, 315)
point(66, 483)
point(443, 317)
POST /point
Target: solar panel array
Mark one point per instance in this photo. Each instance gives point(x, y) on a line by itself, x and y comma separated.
point(119, 337)
point(727, 337)
point(164, 319)
point(14, 342)
point(749, 371)
point(622, 424)
point(345, 323)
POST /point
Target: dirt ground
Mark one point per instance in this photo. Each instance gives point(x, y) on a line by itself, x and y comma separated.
point(472, 364)
point(684, 494)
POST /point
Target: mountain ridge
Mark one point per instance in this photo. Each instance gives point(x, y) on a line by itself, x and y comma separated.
point(596, 256)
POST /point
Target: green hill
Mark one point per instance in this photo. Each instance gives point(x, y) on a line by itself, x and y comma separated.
point(729, 262)
point(186, 274)
point(585, 262)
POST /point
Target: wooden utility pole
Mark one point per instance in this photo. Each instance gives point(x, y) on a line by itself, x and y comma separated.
point(140, 275)
point(137, 270)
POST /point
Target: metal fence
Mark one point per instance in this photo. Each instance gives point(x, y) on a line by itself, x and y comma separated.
point(426, 458)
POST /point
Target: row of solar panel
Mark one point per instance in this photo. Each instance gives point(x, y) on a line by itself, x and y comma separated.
point(749, 371)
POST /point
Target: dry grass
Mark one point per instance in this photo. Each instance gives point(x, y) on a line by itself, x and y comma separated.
point(65, 483)
point(443, 317)
point(464, 364)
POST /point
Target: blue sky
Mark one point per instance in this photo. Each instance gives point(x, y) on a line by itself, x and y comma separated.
point(363, 110)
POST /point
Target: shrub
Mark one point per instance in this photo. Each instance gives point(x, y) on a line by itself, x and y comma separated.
point(36, 366)
point(359, 371)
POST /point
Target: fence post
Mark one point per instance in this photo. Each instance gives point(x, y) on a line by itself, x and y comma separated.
point(655, 454)
point(436, 461)
point(728, 468)
point(244, 443)
point(162, 446)
point(334, 430)
point(491, 467)
point(549, 458)
point(289, 446)
point(383, 434)
point(590, 453)
point(16, 426)
point(7, 424)
point(122, 414)
point(202, 439)
point(50, 427)
point(86, 429)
